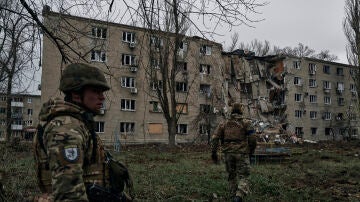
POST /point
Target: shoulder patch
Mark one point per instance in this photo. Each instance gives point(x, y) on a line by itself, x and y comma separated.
point(71, 153)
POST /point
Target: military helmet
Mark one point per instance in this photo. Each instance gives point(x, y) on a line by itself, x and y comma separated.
point(77, 75)
point(237, 108)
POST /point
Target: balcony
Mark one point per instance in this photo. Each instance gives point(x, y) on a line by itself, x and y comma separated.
point(16, 115)
point(17, 104)
point(16, 127)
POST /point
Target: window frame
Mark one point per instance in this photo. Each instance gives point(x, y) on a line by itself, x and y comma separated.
point(313, 114)
point(182, 87)
point(327, 100)
point(99, 127)
point(128, 125)
point(313, 98)
point(298, 97)
point(298, 113)
point(128, 82)
point(128, 105)
point(95, 32)
point(125, 37)
point(128, 59)
point(98, 56)
point(179, 128)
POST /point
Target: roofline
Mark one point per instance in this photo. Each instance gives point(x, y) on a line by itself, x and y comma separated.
point(53, 13)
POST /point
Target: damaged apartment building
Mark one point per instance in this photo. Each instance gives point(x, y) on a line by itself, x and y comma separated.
point(295, 97)
point(304, 98)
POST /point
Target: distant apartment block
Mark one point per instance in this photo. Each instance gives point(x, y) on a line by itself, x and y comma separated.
point(24, 115)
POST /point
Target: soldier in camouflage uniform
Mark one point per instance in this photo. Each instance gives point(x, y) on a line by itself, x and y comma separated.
point(236, 138)
point(69, 155)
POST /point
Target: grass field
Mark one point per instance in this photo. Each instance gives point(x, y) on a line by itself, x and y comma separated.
point(322, 172)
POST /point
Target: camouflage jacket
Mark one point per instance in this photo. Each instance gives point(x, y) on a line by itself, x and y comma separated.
point(233, 135)
point(65, 158)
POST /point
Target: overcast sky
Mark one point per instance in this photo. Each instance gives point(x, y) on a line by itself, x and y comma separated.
point(315, 23)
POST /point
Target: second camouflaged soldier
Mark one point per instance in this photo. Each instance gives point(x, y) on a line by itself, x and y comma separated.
point(237, 141)
point(69, 156)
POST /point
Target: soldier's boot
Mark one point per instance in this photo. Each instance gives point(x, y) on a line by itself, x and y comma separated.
point(237, 199)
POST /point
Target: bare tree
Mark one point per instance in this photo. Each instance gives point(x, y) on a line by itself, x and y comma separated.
point(234, 41)
point(17, 54)
point(172, 19)
point(325, 55)
point(256, 46)
point(351, 26)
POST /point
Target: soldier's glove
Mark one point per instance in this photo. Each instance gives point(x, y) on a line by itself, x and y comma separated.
point(214, 157)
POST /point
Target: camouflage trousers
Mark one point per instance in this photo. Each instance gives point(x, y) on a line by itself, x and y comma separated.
point(238, 168)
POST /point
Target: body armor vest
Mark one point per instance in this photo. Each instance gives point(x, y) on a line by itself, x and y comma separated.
point(95, 171)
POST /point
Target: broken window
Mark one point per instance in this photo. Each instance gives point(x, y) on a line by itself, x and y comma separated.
point(127, 105)
point(327, 84)
point(204, 69)
point(313, 98)
point(181, 87)
point(327, 100)
point(204, 108)
point(328, 131)
point(340, 116)
point(298, 97)
point(98, 56)
point(312, 68)
point(340, 71)
point(128, 37)
point(205, 89)
point(296, 64)
point(98, 32)
point(312, 83)
point(297, 81)
point(341, 101)
point(127, 127)
point(326, 69)
point(203, 129)
point(299, 131)
point(155, 106)
point(313, 131)
point(327, 116)
point(156, 85)
point(205, 50)
point(181, 66)
point(128, 59)
point(313, 114)
point(128, 82)
point(352, 87)
point(340, 87)
point(182, 129)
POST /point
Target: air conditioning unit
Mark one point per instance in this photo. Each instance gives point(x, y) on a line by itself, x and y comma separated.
point(133, 90)
point(132, 44)
point(133, 69)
